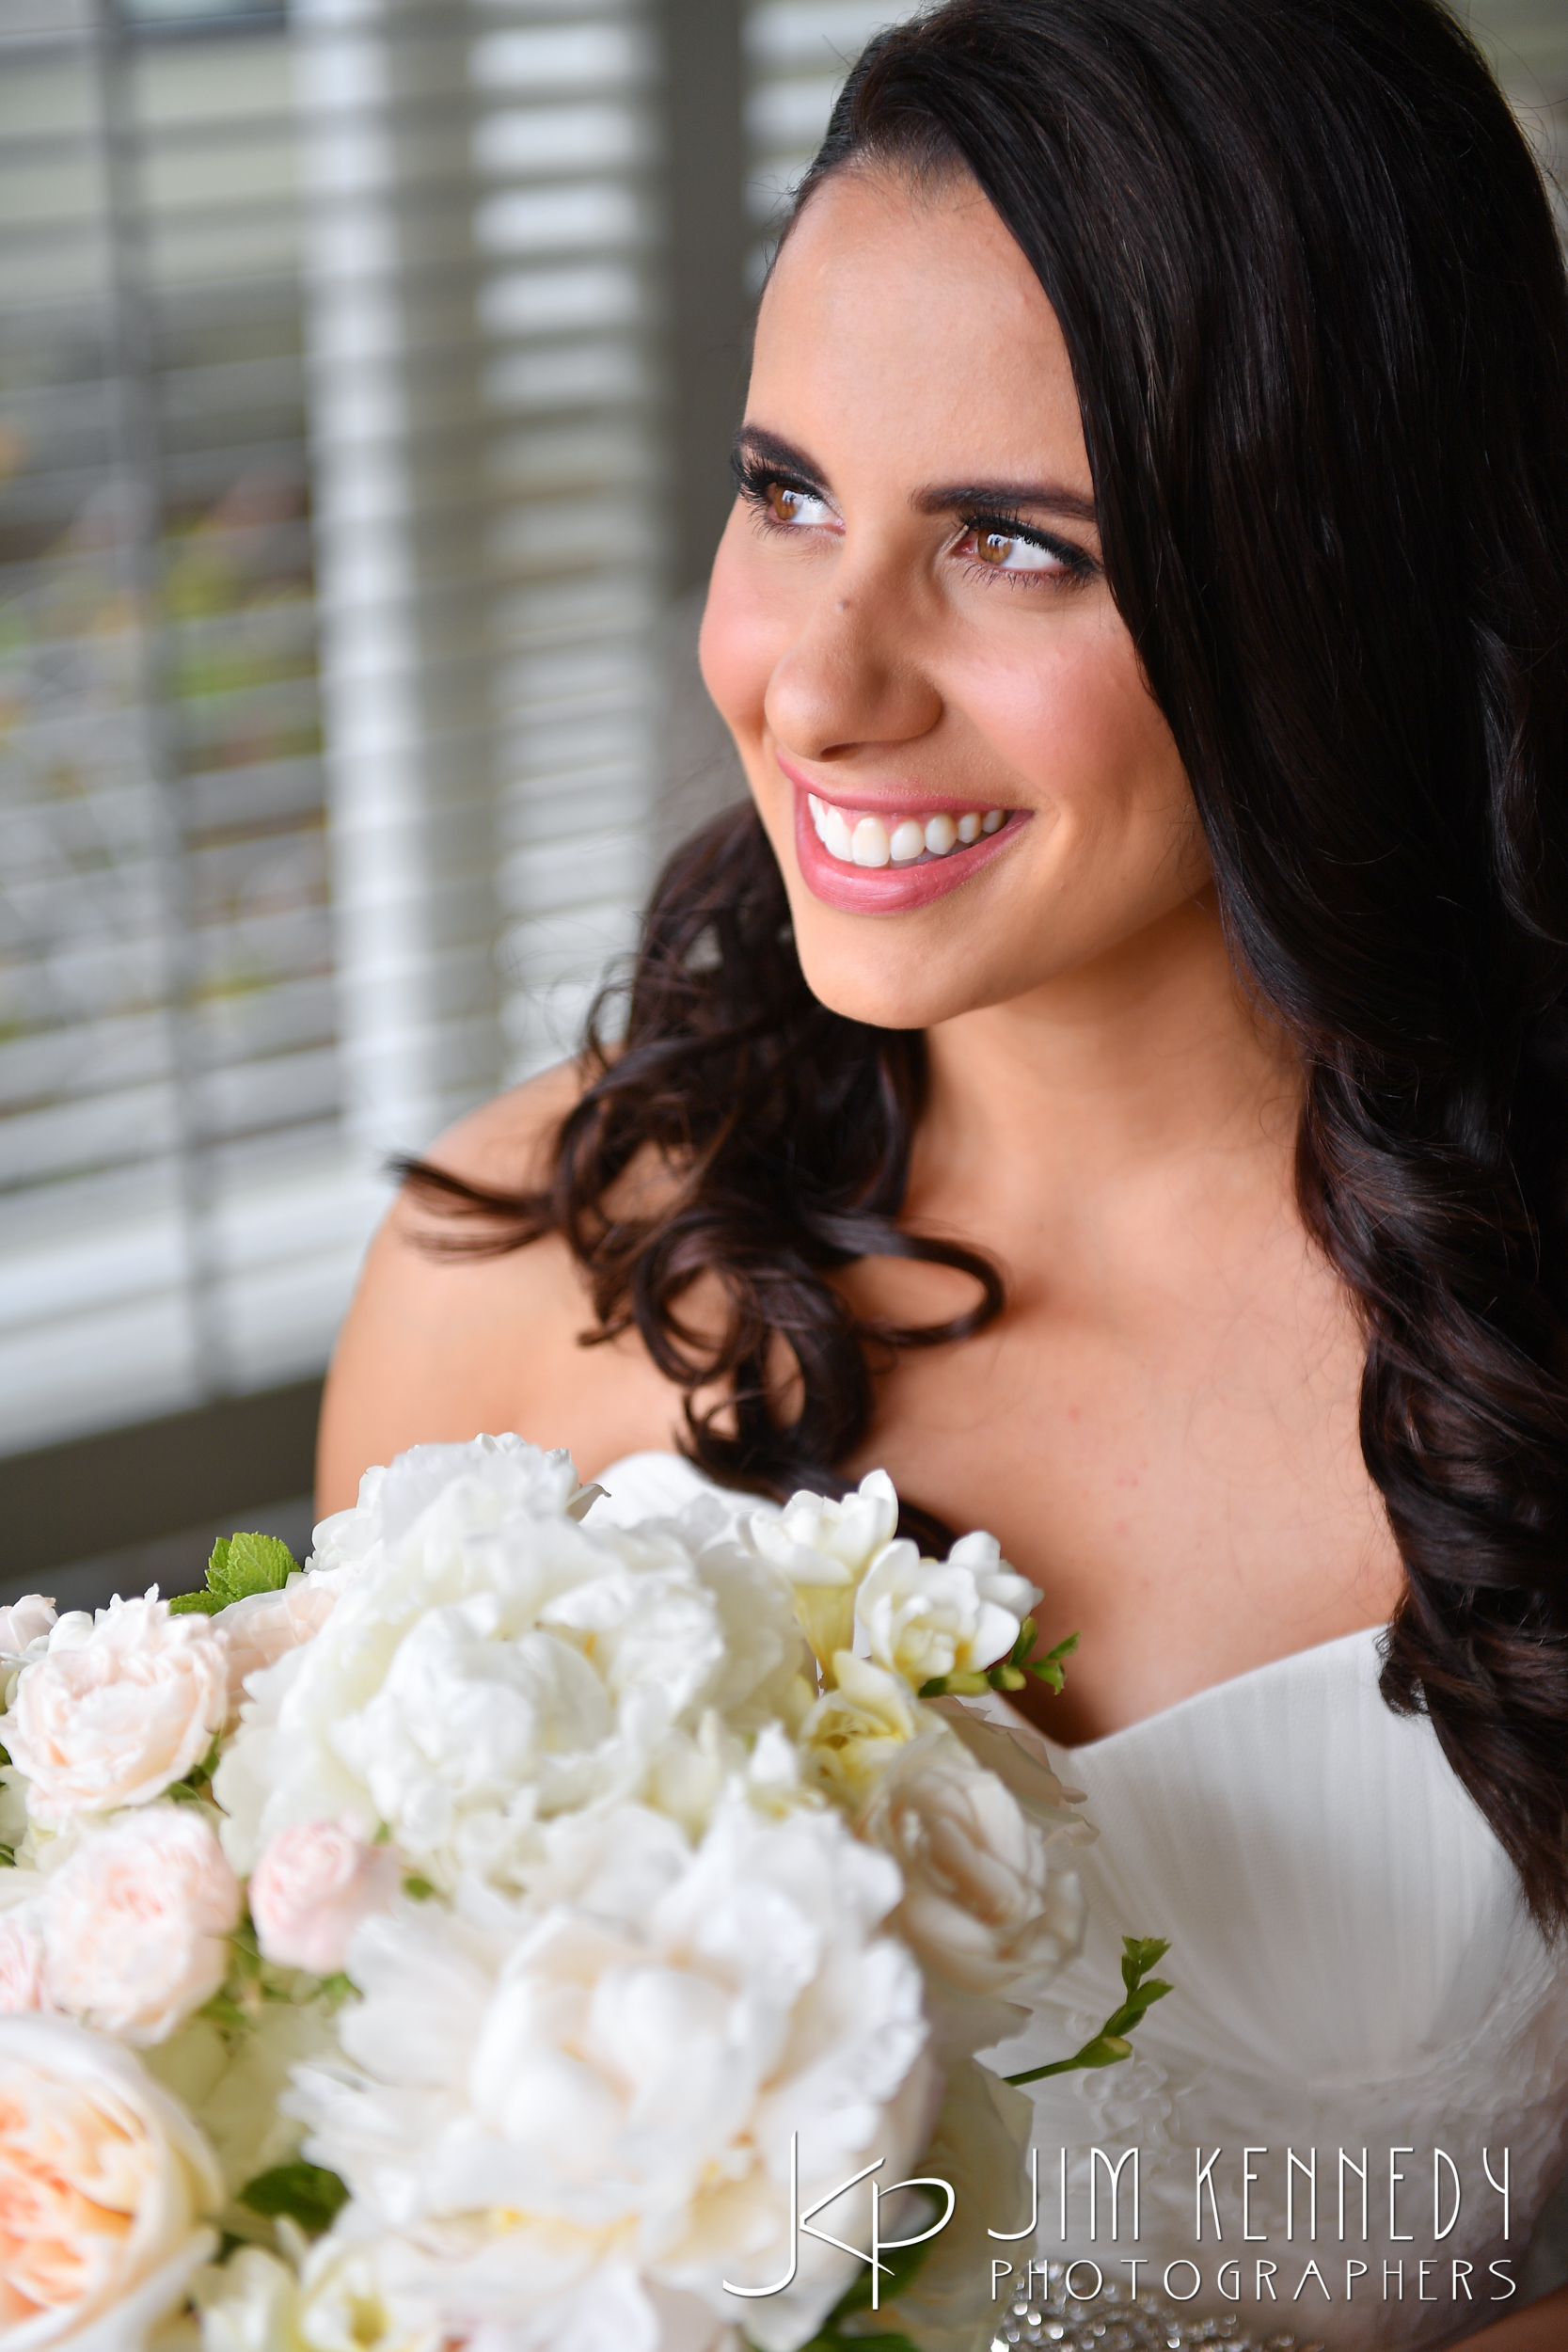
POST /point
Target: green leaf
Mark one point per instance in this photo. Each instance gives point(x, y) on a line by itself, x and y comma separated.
point(306, 2193)
point(418, 1890)
point(240, 1566)
point(243, 1564)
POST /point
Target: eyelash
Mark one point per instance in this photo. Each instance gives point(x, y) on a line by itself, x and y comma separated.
point(754, 480)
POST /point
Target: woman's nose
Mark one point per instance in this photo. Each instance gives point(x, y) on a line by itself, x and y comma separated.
point(851, 677)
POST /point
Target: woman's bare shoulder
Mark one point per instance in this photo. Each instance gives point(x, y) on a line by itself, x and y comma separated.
point(442, 1344)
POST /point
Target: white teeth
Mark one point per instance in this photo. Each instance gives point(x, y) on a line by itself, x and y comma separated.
point(868, 844)
point(855, 839)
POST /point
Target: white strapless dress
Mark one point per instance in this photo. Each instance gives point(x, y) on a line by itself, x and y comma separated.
point(1353, 1971)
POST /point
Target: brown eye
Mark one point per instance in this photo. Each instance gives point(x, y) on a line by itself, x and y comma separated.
point(1009, 551)
point(785, 503)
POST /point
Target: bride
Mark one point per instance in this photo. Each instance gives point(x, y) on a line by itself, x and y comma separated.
point(1114, 1076)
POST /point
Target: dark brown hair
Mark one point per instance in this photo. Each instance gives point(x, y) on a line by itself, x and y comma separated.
point(1308, 280)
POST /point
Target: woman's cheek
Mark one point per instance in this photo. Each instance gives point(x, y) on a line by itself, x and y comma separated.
point(742, 636)
point(1073, 718)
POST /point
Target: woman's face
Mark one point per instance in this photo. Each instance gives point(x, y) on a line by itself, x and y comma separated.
point(968, 785)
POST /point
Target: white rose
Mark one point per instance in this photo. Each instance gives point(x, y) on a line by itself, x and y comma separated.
point(24, 1622)
point(103, 2181)
point(495, 1664)
point(135, 1923)
point(314, 1883)
point(581, 2116)
point(823, 1549)
point(929, 1618)
point(987, 1904)
point(116, 1709)
point(24, 1631)
point(855, 1730)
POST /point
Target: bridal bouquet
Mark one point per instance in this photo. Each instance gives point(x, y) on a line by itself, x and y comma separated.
point(524, 1931)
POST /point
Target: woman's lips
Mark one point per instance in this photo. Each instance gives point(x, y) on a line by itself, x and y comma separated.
point(888, 859)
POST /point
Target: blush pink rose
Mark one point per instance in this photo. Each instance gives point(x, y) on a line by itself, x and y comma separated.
point(111, 1720)
point(258, 1630)
point(135, 1925)
point(314, 1884)
point(104, 2183)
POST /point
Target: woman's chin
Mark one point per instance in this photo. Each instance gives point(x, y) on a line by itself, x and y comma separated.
point(907, 985)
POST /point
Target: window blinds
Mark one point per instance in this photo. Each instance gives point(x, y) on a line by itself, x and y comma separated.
point(330, 540)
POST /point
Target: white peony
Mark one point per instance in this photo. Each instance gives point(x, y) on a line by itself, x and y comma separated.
point(115, 1709)
point(135, 1923)
point(578, 2118)
point(823, 1550)
point(929, 1618)
point(493, 1664)
point(989, 1905)
point(104, 2183)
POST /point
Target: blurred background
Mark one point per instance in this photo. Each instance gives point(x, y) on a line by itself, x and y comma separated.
point(367, 374)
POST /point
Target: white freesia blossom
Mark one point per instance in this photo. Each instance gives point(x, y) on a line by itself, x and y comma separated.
point(577, 2118)
point(824, 1549)
point(135, 1923)
point(989, 1903)
point(493, 1664)
point(115, 1709)
point(104, 2186)
point(927, 1619)
point(855, 1730)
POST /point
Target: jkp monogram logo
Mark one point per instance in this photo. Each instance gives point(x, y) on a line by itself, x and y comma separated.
point(802, 2224)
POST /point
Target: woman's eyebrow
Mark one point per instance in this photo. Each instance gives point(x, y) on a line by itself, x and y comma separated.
point(1051, 495)
point(754, 440)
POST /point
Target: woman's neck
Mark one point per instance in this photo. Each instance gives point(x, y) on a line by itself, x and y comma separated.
point(1152, 1056)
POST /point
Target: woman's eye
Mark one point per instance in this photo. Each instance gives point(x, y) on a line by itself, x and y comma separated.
point(795, 506)
point(1001, 551)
